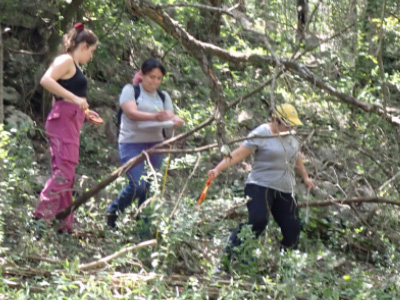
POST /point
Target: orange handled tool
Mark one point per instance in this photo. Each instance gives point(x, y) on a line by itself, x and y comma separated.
point(93, 117)
point(205, 190)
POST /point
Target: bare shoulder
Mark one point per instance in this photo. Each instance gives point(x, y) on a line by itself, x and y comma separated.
point(63, 67)
point(63, 60)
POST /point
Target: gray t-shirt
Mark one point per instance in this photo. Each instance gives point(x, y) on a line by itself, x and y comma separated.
point(274, 160)
point(131, 131)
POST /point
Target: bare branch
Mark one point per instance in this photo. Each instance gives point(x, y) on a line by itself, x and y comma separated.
point(348, 201)
point(105, 260)
point(184, 187)
point(200, 6)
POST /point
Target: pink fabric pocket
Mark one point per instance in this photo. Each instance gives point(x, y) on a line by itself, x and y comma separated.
point(53, 115)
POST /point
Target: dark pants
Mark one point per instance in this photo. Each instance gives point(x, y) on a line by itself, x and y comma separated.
point(282, 207)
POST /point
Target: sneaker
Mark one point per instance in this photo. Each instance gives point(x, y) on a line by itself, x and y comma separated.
point(111, 220)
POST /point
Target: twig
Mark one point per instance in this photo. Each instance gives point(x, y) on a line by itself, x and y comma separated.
point(388, 181)
point(152, 169)
point(45, 259)
point(143, 206)
point(201, 6)
point(101, 262)
point(185, 185)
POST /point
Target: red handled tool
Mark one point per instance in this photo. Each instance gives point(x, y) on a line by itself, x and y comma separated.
point(205, 190)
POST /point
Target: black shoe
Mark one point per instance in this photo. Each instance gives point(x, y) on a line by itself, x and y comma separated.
point(111, 220)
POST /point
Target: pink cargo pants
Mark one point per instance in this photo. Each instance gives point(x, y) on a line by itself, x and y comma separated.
point(63, 127)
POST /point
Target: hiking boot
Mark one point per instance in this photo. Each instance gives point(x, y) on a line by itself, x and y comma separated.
point(111, 220)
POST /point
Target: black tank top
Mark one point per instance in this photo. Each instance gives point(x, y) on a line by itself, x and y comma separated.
point(77, 84)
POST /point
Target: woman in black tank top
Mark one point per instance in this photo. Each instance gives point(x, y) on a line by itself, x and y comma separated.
point(66, 82)
point(77, 84)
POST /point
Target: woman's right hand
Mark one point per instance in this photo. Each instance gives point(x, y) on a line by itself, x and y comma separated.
point(213, 172)
point(164, 115)
point(81, 102)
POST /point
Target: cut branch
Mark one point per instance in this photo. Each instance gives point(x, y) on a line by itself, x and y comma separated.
point(348, 201)
point(101, 262)
point(138, 159)
point(232, 213)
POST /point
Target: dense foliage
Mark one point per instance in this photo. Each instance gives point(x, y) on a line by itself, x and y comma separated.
point(347, 251)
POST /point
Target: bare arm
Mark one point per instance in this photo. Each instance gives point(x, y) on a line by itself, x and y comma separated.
point(237, 156)
point(63, 67)
point(302, 172)
point(131, 110)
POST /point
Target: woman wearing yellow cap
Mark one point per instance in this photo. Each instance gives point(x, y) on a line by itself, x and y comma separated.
point(270, 184)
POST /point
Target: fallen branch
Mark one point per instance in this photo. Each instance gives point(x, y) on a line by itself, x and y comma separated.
point(19, 285)
point(45, 259)
point(348, 201)
point(138, 159)
point(232, 213)
point(101, 262)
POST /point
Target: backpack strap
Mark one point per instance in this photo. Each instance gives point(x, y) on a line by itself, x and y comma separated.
point(136, 89)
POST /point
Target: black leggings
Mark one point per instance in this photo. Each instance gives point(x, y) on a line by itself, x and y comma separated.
point(282, 207)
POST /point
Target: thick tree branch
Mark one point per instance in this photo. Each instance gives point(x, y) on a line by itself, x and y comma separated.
point(138, 159)
point(144, 9)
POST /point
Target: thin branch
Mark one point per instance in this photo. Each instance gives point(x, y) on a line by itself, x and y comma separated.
point(184, 186)
point(388, 182)
point(323, 41)
point(214, 145)
point(152, 168)
point(45, 259)
point(329, 202)
point(394, 16)
point(105, 260)
point(200, 6)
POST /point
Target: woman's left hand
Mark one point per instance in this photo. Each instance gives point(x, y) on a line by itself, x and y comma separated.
point(90, 112)
point(309, 183)
point(178, 122)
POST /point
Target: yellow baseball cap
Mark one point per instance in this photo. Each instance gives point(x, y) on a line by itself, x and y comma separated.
point(288, 114)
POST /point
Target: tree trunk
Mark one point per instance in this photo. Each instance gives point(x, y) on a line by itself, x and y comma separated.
point(1, 77)
point(302, 16)
point(368, 29)
point(1, 91)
